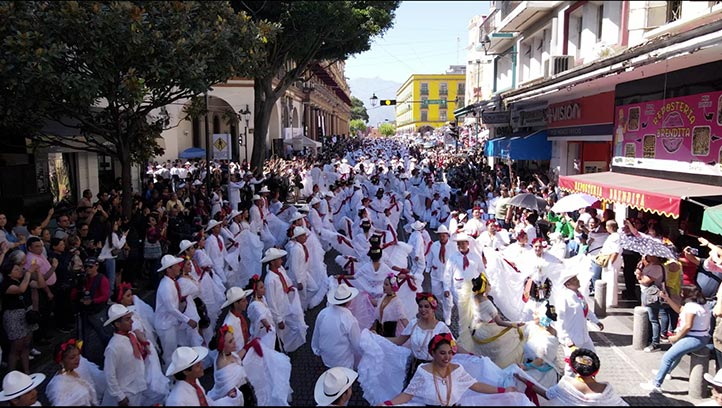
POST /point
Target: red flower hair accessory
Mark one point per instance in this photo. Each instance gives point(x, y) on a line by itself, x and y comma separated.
point(122, 288)
point(222, 336)
point(393, 281)
point(65, 346)
point(437, 339)
point(428, 297)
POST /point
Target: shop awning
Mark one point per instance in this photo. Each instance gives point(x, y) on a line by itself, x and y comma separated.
point(520, 146)
point(643, 193)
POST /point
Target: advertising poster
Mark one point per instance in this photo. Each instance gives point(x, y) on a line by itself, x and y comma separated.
point(685, 129)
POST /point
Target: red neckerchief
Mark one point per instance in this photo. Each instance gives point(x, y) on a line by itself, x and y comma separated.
point(409, 281)
point(286, 288)
point(138, 350)
point(442, 253)
point(220, 242)
point(178, 289)
point(256, 346)
point(305, 251)
point(585, 308)
point(201, 395)
point(244, 325)
point(428, 247)
point(466, 261)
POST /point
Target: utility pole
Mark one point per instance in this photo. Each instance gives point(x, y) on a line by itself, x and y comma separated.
point(208, 150)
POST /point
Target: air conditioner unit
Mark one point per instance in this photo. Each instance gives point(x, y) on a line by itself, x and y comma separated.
point(557, 64)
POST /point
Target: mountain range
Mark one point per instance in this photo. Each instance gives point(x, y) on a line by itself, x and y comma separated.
point(365, 88)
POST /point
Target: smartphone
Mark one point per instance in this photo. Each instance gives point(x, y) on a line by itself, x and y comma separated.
point(694, 251)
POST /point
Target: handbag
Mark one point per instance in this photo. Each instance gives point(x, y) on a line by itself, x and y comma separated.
point(602, 260)
point(650, 296)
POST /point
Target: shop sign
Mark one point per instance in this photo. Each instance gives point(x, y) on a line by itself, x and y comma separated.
point(685, 129)
point(495, 118)
point(589, 110)
point(529, 118)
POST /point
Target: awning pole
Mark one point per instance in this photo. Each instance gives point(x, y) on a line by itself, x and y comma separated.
point(705, 206)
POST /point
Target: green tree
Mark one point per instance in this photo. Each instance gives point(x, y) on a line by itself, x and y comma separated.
point(311, 32)
point(357, 125)
point(358, 110)
point(387, 129)
point(109, 69)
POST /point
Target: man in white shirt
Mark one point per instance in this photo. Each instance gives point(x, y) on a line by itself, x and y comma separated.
point(124, 366)
point(235, 184)
point(284, 302)
point(461, 268)
point(475, 226)
point(216, 249)
point(337, 334)
point(436, 258)
point(187, 368)
point(299, 266)
point(169, 307)
point(418, 251)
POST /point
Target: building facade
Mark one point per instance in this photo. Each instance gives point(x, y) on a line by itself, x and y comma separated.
point(626, 92)
point(316, 107)
point(427, 101)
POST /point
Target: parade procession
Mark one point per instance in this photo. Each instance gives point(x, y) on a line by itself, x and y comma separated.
point(196, 211)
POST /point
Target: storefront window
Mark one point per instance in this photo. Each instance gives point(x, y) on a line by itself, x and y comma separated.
point(58, 164)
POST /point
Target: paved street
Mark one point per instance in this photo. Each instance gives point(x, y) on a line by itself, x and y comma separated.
point(622, 366)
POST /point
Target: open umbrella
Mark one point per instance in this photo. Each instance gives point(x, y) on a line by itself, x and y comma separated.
point(529, 201)
point(646, 245)
point(573, 202)
point(193, 153)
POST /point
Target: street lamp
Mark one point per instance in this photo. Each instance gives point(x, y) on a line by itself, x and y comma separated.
point(374, 100)
point(246, 114)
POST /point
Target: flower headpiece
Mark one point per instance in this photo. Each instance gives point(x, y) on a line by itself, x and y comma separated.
point(539, 239)
point(78, 344)
point(428, 297)
point(580, 359)
point(437, 339)
point(122, 288)
point(393, 281)
point(222, 335)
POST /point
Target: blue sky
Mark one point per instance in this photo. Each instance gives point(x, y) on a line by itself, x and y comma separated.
point(423, 40)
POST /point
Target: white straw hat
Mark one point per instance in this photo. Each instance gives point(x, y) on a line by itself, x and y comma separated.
point(212, 224)
point(442, 229)
point(264, 189)
point(297, 216)
point(16, 384)
point(314, 201)
point(255, 197)
point(418, 225)
point(342, 294)
point(332, 384)
point(167, 261)
point(273, 253)
point(298, 231)
point(185, 244)
point(184, 357)
point(716, 380)
point(115, 312)
point(235, 294)
point(462, 237)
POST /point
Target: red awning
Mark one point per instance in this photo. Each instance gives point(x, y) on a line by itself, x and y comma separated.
point(643, 193)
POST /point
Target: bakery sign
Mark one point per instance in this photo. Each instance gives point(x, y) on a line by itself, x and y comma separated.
point(687, 128)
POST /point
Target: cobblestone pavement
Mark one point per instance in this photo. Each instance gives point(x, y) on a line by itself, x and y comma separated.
point(622, 366)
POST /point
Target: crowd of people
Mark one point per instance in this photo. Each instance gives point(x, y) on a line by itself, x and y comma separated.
point(461, 296)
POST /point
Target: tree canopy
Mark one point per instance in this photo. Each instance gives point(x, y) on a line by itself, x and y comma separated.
point(107, 70)
point(311, 31)
point(358, 110)
point(357, 125)
point(387, 129)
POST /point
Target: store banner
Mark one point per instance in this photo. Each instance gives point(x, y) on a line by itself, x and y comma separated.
point(495, 118)
point(221, 143)
point(684, 129)
point(586, 111)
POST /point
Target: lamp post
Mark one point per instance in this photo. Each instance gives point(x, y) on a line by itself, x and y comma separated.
point(208, 150)
point(374, 100)
point(246, 114)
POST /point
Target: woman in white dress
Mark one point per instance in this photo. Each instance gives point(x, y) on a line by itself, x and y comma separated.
point(443, 383)
point(582, 389)
point(370, 276)
point(541, 347)
point(158, 383)
point(190, 289)
point(71, 386)
point(228, 374)
point(390, 317)
point(490, 335)
point(259, 314)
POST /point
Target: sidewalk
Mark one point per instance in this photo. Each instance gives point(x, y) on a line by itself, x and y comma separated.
point(625, 368)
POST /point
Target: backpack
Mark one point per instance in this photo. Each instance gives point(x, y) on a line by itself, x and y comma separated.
point(708, 282)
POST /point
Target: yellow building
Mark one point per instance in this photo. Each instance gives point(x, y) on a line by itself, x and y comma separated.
point(429, 100)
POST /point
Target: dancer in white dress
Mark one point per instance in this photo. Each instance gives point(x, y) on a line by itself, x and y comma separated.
point(582, 389)
point(259, 314)
point(444, 383)
point(69, 387)
point(390, 317)
point(490, 335)
point(228, 372)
